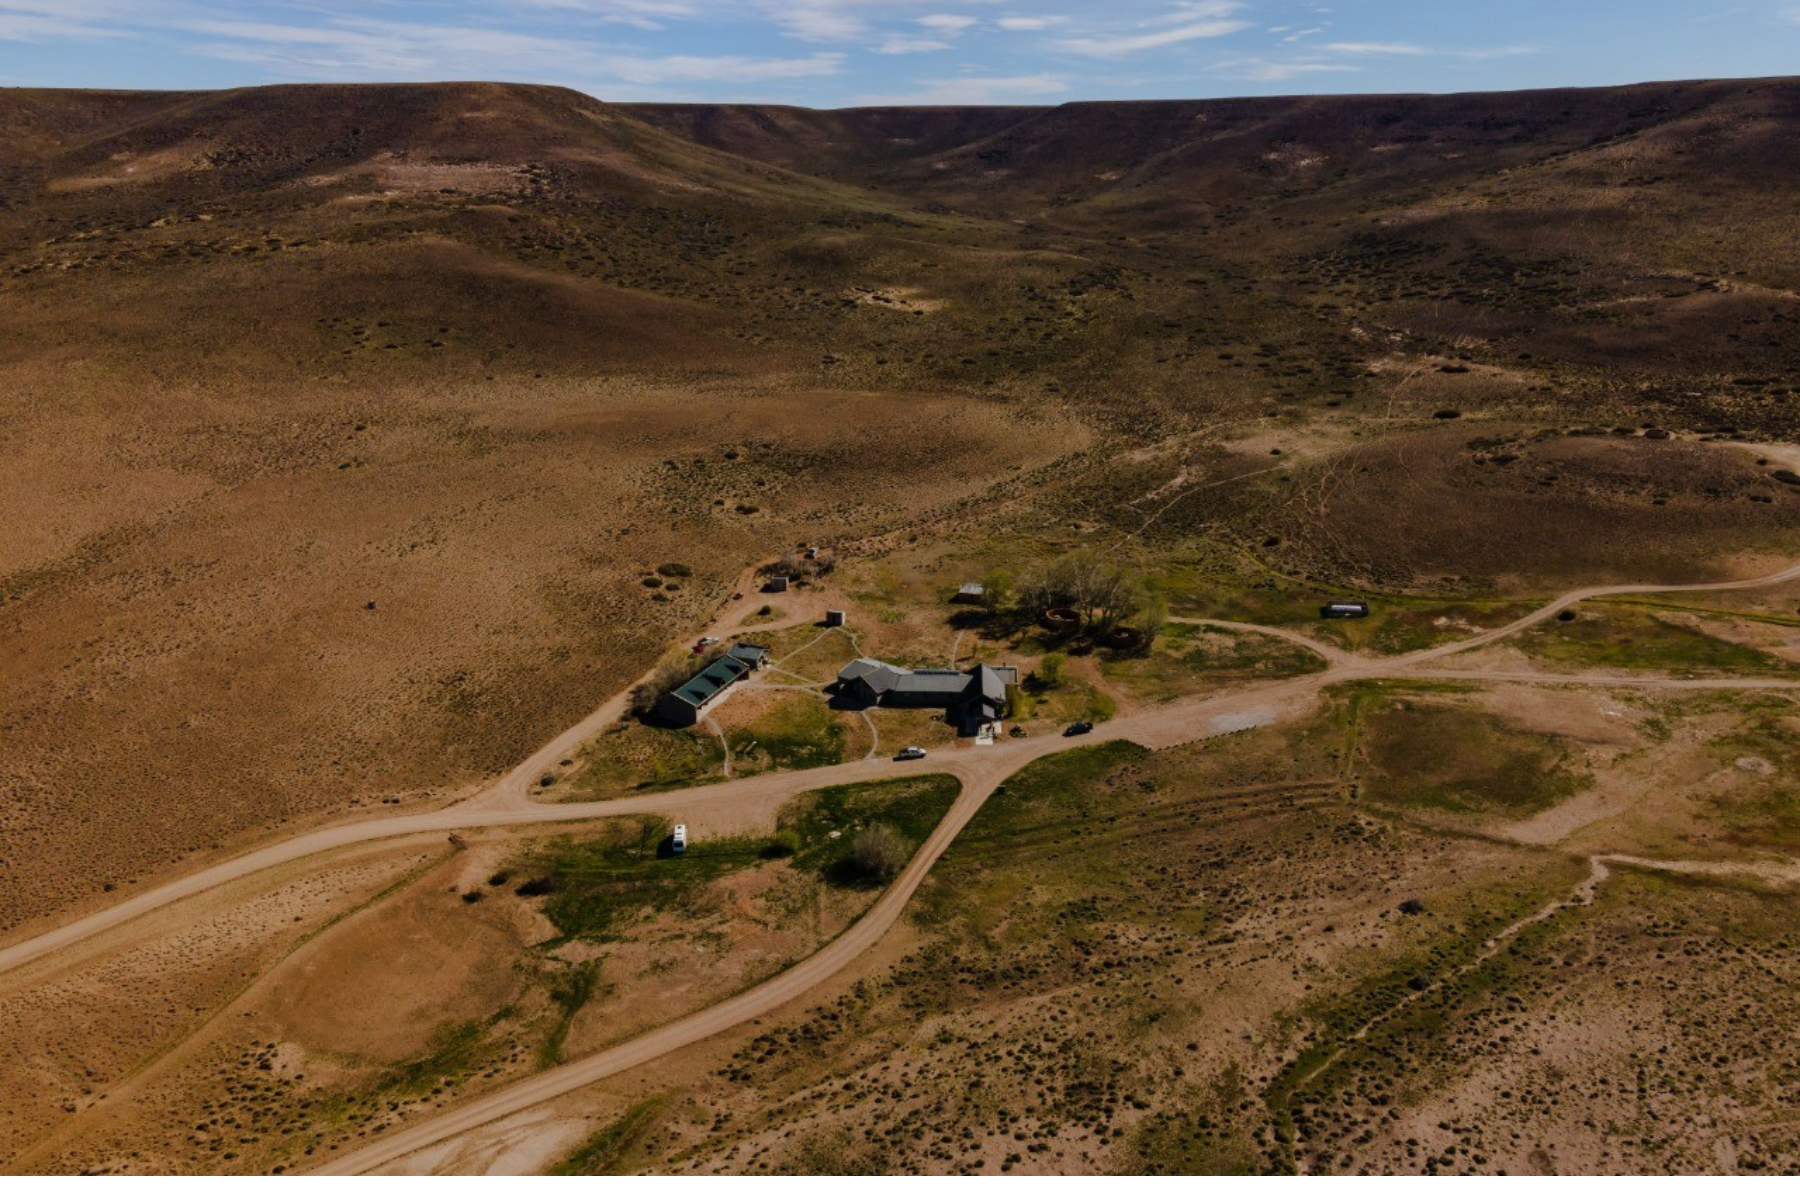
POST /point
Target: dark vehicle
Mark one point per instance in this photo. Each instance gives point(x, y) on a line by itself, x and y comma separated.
point(1079, 728)
point(1339, 609)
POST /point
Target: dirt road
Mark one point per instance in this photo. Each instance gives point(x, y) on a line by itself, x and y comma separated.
point(736, 803)
point(980, 771)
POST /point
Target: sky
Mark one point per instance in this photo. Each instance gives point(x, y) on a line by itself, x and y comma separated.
point(833, 53)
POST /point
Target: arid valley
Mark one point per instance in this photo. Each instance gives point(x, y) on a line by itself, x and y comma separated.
point(387, 464)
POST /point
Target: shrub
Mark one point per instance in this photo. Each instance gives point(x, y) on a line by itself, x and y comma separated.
point(1151, 619)
point(879, 852)
point(670, 673)
point(675, 570)
point(785, 844)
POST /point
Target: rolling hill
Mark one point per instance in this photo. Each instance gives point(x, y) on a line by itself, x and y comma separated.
point(342, 421)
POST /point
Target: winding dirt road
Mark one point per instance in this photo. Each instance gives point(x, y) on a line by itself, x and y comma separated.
point(507, 802)
point(980, 770)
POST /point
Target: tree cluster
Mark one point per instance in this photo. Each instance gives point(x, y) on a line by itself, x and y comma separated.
point(795, 565)
point(1100, 591)
point(670, 673)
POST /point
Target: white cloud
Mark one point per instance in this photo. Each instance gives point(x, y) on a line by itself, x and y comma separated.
point(45, 20)
point(1262, 70)
point(974, 89)
point(351, 48)
point(38, 27)
point(1029, 24)
point(639, 14)
point(816, 20)
point(1499, 52)
point(949, 24)
point(894, 43)
point(1374, 48)
point(722, 68)
point(1186, 21)
point(1113, 46)
point(1195, 10)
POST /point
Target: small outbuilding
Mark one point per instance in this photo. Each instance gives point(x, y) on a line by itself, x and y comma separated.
point(1341, 609)
point(776, 583)
point(834, 618)
point(685, 705)
point(971, 593)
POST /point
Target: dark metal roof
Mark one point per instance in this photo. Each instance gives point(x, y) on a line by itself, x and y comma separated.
point(721, 674)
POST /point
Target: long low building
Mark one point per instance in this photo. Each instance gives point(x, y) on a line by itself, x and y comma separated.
point(969, 698)
point(685, 705)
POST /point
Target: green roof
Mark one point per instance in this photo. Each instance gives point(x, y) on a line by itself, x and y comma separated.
point(721, 674)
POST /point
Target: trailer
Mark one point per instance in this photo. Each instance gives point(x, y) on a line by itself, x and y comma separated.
point(1342, 609)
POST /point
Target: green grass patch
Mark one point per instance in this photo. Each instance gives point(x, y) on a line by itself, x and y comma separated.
point(597, 887)
point(1186, 657)
point(644, 758)
point(1051, 790)
point(807, 651)
point(1757, 808)
point(455, 1053)
point(1395, 624)
point(606, 1152)
point(570, 994)
point(1631, 638)
point(912, 807)
point(795, 732)
point(1069, 700)
point(1424, 755)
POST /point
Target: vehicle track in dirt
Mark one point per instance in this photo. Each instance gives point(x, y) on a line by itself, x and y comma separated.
point(507, 802)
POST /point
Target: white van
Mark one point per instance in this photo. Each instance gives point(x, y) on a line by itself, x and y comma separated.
point(678, 842)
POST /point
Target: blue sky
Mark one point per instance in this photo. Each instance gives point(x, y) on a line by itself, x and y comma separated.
point(829, 53)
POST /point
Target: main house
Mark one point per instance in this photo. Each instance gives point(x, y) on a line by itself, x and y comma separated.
point(685, 705)
point(970, 699)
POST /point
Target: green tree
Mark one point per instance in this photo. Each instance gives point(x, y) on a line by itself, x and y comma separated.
point(996, 589)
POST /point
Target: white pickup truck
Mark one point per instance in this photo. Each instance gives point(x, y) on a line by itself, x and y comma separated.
point(678, 840)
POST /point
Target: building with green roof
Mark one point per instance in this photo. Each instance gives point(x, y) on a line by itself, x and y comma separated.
point(685, 705)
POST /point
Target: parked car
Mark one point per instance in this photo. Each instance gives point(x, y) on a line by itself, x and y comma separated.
point(908, 754)
point(1079, 728)
point(678, 840)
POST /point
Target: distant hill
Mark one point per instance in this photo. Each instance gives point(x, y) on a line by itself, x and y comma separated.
point(346, 425)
